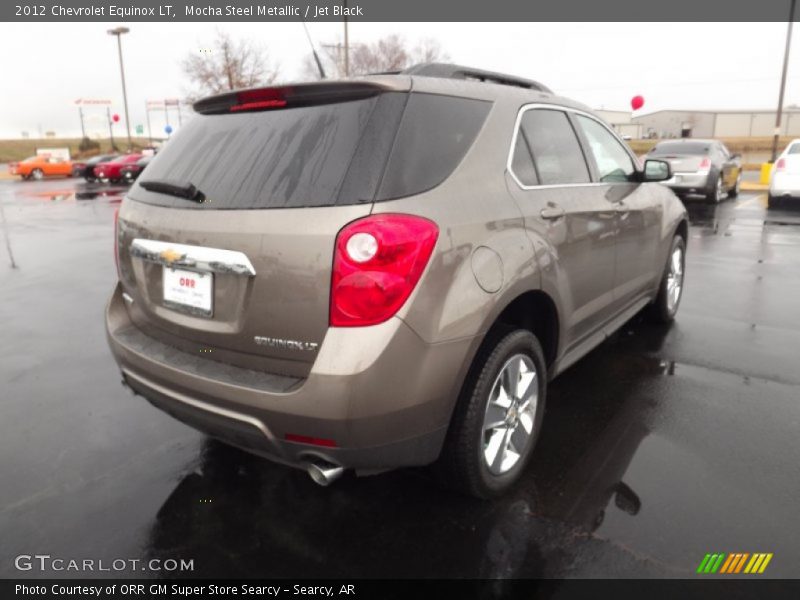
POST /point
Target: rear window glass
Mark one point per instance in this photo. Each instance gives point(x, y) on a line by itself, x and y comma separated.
point(434, 136)
point(321, 155)
point(693, 148)
point(794, 149)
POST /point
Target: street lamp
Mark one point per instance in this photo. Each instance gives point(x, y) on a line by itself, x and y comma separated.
point(119, 31)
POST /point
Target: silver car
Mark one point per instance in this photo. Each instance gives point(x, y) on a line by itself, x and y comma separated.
point(700, 167)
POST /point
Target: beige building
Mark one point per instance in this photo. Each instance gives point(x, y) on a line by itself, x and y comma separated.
point(621, 121)
point(717, 124)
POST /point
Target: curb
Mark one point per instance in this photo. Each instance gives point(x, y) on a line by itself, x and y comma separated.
point(749, 186)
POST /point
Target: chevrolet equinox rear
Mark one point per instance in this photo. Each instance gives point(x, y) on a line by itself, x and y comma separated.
point(386, 272)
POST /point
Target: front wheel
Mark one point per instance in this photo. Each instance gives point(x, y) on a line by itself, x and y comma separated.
point(498, 417)
point(669, 294)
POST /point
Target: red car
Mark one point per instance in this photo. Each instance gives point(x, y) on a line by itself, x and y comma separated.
point(111, 171)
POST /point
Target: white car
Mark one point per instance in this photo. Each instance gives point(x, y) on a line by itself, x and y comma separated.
point(785, 180)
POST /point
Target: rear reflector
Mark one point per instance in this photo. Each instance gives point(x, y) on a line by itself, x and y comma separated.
point(304, 439)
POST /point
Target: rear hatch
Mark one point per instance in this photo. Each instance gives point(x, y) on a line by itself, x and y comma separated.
point(225, 243)
point(683, 157)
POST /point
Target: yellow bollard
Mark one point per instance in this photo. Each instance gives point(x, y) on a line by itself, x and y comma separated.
point(766, 171)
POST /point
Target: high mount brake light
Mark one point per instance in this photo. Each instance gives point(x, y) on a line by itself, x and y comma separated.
point(378, 261)
point(291, 96)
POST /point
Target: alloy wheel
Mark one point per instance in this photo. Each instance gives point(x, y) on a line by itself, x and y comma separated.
point(675, 279)
point(508, 423)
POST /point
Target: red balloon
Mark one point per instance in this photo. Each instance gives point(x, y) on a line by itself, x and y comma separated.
point(116, 118)
point(637, 102)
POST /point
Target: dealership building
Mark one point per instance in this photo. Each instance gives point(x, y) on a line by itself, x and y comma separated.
point(717, 123)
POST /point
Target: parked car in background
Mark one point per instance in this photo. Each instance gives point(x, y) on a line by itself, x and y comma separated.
point(111, 170)
point(129, 173)
point(39, 167)
point(85, 168)
point(784, 183)
point(704, 167)
point(386, 272)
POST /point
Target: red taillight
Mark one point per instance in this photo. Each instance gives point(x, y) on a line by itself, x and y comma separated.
point(304, 439)
point(705, 164)
point(116, 240)
point(377, 263)
point(780, 165)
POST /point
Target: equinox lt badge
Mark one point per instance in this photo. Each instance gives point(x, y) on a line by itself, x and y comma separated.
point(285, 344)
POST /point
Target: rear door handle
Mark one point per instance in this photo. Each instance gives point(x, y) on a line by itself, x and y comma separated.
point(552, 213)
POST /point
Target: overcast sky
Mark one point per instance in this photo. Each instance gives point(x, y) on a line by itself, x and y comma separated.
point(47, 66)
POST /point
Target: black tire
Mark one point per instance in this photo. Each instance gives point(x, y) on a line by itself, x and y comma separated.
point(462, 465)
point(734, 191)
point(714, 192)
point(662, 311)
point(772, 202)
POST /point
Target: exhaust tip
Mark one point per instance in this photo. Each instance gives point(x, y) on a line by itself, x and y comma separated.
point(324, 474)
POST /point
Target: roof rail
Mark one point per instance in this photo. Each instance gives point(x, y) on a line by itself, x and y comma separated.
point(450, 71)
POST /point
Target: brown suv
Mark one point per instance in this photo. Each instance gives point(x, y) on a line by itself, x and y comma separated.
point(385, 272)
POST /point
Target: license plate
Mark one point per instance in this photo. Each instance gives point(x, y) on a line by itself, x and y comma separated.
point(188, 290)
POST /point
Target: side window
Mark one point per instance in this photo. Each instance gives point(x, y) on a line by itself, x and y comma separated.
point(556, 152)
point(522, 161)
point(613, 162)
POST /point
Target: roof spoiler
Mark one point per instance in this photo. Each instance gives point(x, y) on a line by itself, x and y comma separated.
point(288, 96)
point(450, 71)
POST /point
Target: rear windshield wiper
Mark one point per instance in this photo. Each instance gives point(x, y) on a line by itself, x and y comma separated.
point(179, 190)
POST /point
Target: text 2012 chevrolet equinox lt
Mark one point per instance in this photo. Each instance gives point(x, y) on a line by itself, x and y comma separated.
point(386, 271)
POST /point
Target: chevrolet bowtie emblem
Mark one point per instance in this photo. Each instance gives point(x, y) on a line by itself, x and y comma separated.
point(170, 256)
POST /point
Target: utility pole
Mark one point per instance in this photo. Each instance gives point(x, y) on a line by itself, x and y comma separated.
point(149, 131)
point(119, 32)
point(783, 82)
point(83, 129)
point(347, 43)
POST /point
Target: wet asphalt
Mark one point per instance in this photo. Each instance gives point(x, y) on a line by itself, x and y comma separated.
point(662, 445)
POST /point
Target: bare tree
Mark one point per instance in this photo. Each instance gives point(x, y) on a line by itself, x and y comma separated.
point(227, 65)
point(391, 53)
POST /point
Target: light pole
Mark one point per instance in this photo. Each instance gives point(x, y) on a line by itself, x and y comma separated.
point(783, 83)
point(119, 31)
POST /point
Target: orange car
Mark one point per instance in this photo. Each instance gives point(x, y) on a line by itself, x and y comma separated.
point(38, 167)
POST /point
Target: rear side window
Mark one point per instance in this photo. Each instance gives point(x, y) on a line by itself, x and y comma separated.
point(387, 146)
point(557, 155)
point(794, 149)
point(522, 161)
point(434, 136)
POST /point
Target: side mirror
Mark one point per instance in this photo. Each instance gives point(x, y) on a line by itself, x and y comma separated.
point(656, 170)
point(736, 155)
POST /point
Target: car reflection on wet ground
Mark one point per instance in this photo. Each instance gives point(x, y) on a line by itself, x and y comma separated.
point(660, 446)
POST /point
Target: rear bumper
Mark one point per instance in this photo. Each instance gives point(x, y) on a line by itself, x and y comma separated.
point(688, 183)
point(380, 393)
